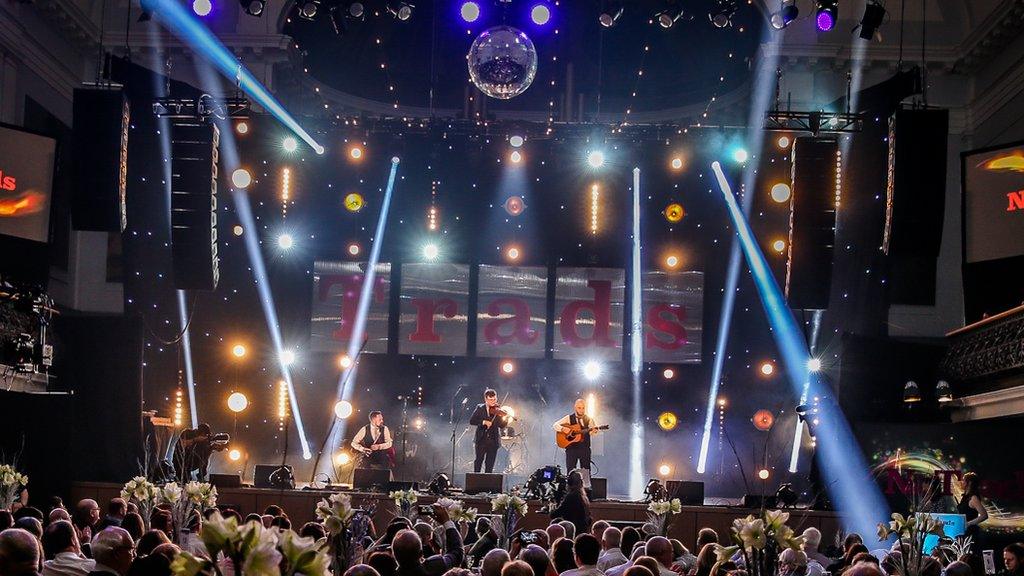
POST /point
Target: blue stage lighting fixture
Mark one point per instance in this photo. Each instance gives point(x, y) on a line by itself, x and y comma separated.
point(611, 14)
point(400, 10)
point(667, 18)
point(740, 155)
point(253, 7)
point(826, 14)
point(470, 11)
point(787, 13)
point(540, 14)
point(202, 7)
point(636, 335)
point(186, 347)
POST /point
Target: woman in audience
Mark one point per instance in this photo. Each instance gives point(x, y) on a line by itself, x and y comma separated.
point(1013, 560)
point(149, 541)
point(562, 555)
point(706, 559)
point(575, 506)
point(133, 524)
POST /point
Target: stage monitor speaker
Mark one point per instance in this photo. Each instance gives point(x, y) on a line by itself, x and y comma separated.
point(395, 485)
point(915, 203)
point(689, 493)
point(101, 119)
point(598, 488)
point(479, 482)
point(226, 480)
point(194, 154)
point(371, 478)
point(758, 501)
point(261, 476)
point(815, 194)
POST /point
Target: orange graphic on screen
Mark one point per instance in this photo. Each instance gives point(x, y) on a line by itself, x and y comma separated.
point(1013, 162)
point(28, 202)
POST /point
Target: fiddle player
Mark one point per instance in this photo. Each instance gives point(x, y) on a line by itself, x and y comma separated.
point(489, 419)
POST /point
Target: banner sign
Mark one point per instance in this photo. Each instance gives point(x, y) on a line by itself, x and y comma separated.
point(336, 290)
point(433, 313)
point(588, 313)
point(673, 309)
point(512, 305)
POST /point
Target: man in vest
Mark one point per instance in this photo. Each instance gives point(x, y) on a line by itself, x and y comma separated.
point(374, 442)
point(578, 452)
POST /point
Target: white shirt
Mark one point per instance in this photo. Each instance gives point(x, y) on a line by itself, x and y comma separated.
point(193, 544)
point(583, 571)
point(357, 440)
point(564, 421)
point(618, 570)
point(68, 564)
point(610, 558)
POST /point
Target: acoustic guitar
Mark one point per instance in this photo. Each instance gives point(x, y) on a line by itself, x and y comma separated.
point(575, 434)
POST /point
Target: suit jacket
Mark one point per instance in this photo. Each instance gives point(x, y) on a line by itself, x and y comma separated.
point(483, 433)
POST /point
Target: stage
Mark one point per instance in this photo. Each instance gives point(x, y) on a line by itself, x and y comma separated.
point(300, 506)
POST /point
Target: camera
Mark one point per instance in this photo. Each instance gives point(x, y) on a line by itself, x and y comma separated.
point(425, 510)
point(526, 538)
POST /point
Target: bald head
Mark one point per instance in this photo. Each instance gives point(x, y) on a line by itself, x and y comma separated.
point(59, 514)
point(493, 562)
point(19, 553)
point(114, 547)
point(611, 538)
point(555, 531)
point(407, 548)
point(660, 549)
point(863, 569)
point(598, 528)
point(517, 568)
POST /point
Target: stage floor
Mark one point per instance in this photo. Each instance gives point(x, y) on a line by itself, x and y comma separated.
point(300, 506)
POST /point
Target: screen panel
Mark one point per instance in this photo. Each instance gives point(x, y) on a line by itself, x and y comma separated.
point(26, 182)
point(994, 203)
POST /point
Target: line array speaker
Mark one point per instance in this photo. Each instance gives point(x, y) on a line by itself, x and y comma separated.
point(194, 155)
point(816, 188)
point(101, 120)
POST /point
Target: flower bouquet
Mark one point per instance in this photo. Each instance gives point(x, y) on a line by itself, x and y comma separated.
point(910, 533)
point(183, 503)
point(660, 514)
point(759, 542)
point(11, 483)
point(404, 499)
point(345, 527)
point(457, 510)
point(252, 550)
point(144, 494)
point(512, 508)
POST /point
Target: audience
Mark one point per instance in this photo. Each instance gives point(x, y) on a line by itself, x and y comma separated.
point(812, 540)
point(575, 506)
point(554, 532)
point(597, 529)
point(85, 519)
point(493, 562)
point(586, 550)
point(19, 553)
point(1013, 560)
point(117, 509)
point(58, 514)
point(517, 568)
point(659, 548)
point(791, 563)
point(132, 522)
point(149, 541)
point(611, 553)
point(562, 555)
point(113, 549)
point(31, 525)
point(706, 559)
point(408, 549)
point(64, 552)
point(537, 558)
point(6, 520)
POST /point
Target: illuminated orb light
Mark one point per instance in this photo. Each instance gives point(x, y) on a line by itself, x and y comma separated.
point(343, 409)
point(516, 140)
point(676, 163)
point(354, 202)
point(591, 369)
point(354, 249)
point(514, 205)
point(502, 62)
point(355, 152)
point(781, 192)
point(540, 14)
point(237, 230)
point(345, 361)
point(238, 350)
point(431, 251)
point(668, 374)
point(721, 402)
point(241, 178)
point(242, 127)
point(470, 11)
point(289, 144)
point(814, 364)
point(667, 421)
point(513, 253)
point(237, 402)
point(672, 261)
point(767, 368)
point(664, 470)
point(342, 459)
point(515, 157)
point(202, 7)
point(595, 158)
point(674, 212)
point(783, 142)
point(763, 474)
point(779, 246)
point(287, 357)
point(285, 241)
point(825, 19)
point(763, 420)
point(235, 454)
point(740, 155)
point(508, 367)
point(418, 422)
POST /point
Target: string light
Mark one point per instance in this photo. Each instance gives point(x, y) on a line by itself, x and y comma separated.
point(177, 406)
point(282, 404)
point(286, 190)
point(432, 212)
point(595, 200)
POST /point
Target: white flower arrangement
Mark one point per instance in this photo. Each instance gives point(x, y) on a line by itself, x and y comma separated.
point(457, 510)
point(11, 483)
point(910, 532)
point(201, 494)
point(659, 515)
point(503, 502)
point(759, 540)
point(404, 497)
point(335, 511)
point(512, 508)
point(169, 494)
point(345, 527)
point(144, 494)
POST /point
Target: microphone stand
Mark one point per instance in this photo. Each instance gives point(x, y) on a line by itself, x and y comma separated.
point(455, 425)
point(405, 425)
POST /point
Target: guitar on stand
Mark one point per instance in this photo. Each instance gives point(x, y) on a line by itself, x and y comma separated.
point(575, 434)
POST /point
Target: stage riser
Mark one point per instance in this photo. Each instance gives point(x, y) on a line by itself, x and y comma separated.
point(300, 505)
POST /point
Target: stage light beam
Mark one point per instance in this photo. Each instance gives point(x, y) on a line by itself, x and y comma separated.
point(591, 370)
point(285, 241)
point(595, 158)
point(431, 251)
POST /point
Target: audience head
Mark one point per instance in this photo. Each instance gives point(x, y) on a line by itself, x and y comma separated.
point(253, 517)
point(864, 557)
point(660, 549)
point(161, 520)
point(281, 522)
point(6, 520)
point(150, 540)
point(60, 536)
point(723, 568)
point(537, 558)
point(273, 510)
point(58, 514)
point(650, 563)
point(678, 550)
point(267, 520)
point(637, 570)
point(87, 513)
point(706, 559)
point(493, 562)
point(706, 536)
point(852, 539)
point(570, 529)
point(19, 553)
point(29, 512)
point(383, 563)
point(630, 536)
point(555, 531)
point(168, 550)
point(30, 525)
point(853, 551)
point(562, 555)
point(639, 550)
point(792, 562)
point(152, 565)
point(407, 548)
point(598, 528)
point(314, 530)
point(586, 549)
point(1013, 558)
point(812, 538)
point(113, 547)
point(541, 538)
point(958, 568)
point(117, 508)
point(574, 481)
point(892, 563)
point(611, 538)
point(863, 569)
point(361, 570)
point(516, 568)
point(133, 524)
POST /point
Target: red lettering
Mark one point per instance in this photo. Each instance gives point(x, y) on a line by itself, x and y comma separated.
point(1016, 201)
point(666, 319)
point(600, 307)
point(9, 183)
point(425, 309)
point(519, 321)
point(947, 479)
point(351, 288)
point(898, 484)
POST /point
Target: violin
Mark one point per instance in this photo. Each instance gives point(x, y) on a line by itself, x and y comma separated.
point(496, 410)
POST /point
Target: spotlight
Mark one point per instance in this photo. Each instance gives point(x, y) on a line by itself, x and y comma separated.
point(721, 15)
point(786, 14)
point(786, 496)
point(308, 9)
point(540, 14)
point(740, 155)
point(431, 251)
point(253, 7)
point(237, 230)
point(595, 158)
point(508, 367)
point(235, 454)
point(202, 7)
point(470, 11)
point(400, 10)
point(763, 473)
point(672, 261)
point(242, 128)
point(285, 241)
point(591, 370)
point(667, 421)
point(439, 485)
point(237, 402)
point(354, 249)
point(783, 142)
point(664, 470)
point(943, 392)
point(516, 157)
point(343, 409)
point(345, 361)
point(911, 393)
point(342, 459)
point(516, 140)
point(241, 178)
point(779, 246)
point(814, 364)
point(767, 368)
point(418, 423)
point(654, 490)
point(874, 13)
point(667, 18)
point(512, 254)
point(668, 374)
point(238, 350)
point(355, 11)
point(610, 15)
point(825, 14)
point(354, 202)
point(287, 357)
point(355, 152)
point(781, 192)
point(677, 163)
point(289, 144)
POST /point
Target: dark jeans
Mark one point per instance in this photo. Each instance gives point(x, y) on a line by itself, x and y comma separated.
point(577, 453)
point(485, 454)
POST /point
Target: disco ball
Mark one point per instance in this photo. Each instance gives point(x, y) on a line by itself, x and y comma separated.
point(502, 62)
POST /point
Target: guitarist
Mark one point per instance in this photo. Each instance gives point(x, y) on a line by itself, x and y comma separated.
point(374, 442)
point(577, 452)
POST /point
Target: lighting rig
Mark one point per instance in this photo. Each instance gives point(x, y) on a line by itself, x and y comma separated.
point(814, 121)
point(203, 107)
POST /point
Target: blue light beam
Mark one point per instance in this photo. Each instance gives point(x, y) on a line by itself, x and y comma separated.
point(844, 468)
point(636, 437)
point(192, 31)
point(186, 344)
